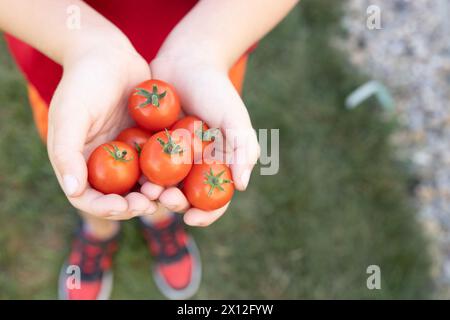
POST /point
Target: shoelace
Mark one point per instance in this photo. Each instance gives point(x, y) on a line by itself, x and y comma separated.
point(90, 258)
point(166, 242)
point(163, 240)
point(169, 243)
point(92, 255)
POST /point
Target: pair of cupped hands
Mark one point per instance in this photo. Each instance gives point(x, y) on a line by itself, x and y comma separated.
point(89, 108)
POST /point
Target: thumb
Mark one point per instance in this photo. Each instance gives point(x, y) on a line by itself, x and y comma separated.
point(66, 138)
point(245, 148)
point(240, 137)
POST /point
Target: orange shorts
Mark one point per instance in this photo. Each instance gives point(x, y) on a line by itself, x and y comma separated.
point(40, 108)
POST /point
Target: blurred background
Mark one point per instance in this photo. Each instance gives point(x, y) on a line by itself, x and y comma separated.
point(359, 186)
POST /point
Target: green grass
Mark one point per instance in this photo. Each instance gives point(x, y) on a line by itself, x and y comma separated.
point(339, 203)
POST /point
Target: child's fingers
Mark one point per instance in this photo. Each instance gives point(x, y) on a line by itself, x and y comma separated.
point(199, 218)
point(174, 200)
point(139, 204)
point(151, 190)
point(241, 137)
point(246, 153)
point(99, 204)
point(113, 206)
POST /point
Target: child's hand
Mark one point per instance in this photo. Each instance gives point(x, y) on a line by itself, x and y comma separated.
point(206, 92)
point(88, 109)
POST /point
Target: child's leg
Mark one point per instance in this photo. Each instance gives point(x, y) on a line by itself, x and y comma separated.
point(160, 215)
point(100, 229)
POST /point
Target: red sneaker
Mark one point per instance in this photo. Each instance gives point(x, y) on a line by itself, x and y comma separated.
point(177, 271)
point(93, 257)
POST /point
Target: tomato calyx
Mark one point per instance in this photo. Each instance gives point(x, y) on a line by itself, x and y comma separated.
point(215, 181)
point(138, 148)
point(170, 147)
point(207, 135)
point(117, 154)
point(152, 98)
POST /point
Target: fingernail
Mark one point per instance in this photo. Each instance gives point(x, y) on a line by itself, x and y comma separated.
point(70, 184)
point(115, 213)
point(245, 178)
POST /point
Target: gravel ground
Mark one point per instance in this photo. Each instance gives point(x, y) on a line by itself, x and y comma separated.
point(411, 55)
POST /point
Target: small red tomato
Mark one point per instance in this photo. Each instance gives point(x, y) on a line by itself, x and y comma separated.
point(134, 137)
point(166, 158)
point(113, 168)
point(154, 105)
point(208, 186)
point(201, 135)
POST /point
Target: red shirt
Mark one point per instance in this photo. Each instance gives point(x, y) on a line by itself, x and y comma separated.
point(145, 22)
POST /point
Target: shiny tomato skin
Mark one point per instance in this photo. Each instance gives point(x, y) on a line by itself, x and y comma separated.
point(149, 116)
point(108, 174)
point(135, 137)
point(194, 125)
point(197, 190)
point(162, 168)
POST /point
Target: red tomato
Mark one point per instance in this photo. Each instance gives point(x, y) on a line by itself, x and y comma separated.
point(113, 168)
point(201, 135)
point(208, 186)
point(166, 158)
point(134, 137)
point(154, 105)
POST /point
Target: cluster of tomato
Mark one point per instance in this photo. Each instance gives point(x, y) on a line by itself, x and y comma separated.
point(157, 150)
